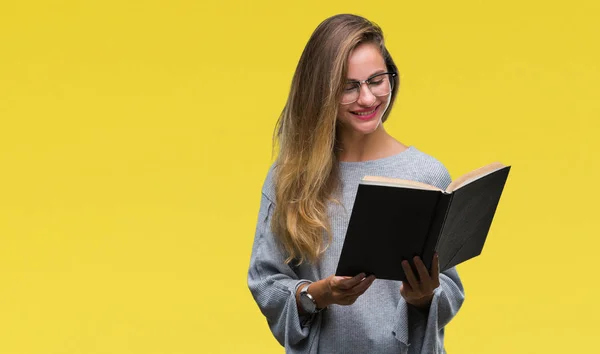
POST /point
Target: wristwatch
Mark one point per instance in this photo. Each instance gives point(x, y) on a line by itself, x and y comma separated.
point(307, 302)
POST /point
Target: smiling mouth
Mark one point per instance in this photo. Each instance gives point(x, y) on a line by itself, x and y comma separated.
point(365, 113)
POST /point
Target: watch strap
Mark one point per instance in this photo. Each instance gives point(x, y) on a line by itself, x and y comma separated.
point(304, 292)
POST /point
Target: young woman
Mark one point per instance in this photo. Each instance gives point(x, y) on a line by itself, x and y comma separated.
point(330, 135)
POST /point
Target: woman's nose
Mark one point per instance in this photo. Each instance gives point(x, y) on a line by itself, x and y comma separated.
point(366, 97)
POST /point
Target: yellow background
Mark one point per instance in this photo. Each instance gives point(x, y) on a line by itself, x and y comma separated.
point(135, 137)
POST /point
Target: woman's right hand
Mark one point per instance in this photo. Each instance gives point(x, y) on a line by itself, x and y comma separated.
point(340, 290)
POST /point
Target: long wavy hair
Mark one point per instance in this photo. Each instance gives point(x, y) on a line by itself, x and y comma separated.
point(307, 172)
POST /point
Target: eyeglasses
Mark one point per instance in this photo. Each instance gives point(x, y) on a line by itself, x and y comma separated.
point(378, 84)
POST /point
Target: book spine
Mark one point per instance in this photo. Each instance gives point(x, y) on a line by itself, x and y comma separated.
point(435, 229)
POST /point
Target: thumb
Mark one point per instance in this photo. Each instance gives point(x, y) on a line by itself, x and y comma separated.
point(337, 280)
point(404, 287)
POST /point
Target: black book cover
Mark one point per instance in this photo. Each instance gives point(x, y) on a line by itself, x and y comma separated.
point(389, 224)
point(469, 219)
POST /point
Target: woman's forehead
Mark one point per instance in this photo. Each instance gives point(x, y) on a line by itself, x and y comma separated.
point(364, 61)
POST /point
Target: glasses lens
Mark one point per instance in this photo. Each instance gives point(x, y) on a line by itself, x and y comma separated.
point(380, 85)
point(351, 92)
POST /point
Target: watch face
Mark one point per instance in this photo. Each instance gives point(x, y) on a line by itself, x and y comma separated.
point(307, 304)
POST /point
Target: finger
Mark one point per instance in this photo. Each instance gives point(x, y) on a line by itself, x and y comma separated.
point(435, 271)
point(346, 284)
point(410, 276)
point(349, 301)
point(422, 270)
point(405, 290)
point(359, 290)
point(363, 286)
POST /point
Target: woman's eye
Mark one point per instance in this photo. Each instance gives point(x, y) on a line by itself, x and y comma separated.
point(376, 82)
point(349, 87)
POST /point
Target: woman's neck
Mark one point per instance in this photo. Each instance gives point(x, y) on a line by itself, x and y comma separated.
point(365, 147)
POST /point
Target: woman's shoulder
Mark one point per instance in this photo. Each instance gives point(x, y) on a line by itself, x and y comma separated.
point(268, 187)
point(425, 158)
point(432, 169)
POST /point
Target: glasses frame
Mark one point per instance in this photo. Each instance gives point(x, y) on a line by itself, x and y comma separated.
point(367, 81)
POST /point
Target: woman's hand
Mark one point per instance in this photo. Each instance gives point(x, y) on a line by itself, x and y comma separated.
point(340, 290)
point(419, 293)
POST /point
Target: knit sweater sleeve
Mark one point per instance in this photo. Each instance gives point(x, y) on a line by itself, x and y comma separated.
point(273, 283)
point(423, 331)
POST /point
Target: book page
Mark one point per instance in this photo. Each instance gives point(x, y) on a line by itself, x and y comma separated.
point(396, 182)
point(474, 175)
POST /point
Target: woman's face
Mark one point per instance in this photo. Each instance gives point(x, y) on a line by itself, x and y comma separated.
point(364, 115)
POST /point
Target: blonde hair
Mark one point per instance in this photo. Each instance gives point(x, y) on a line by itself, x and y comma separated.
point(306, 173)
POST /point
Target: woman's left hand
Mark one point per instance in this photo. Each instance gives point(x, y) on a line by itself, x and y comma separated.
point(419, 293)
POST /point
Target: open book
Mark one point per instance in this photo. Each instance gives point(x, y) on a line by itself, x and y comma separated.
point(393, 220)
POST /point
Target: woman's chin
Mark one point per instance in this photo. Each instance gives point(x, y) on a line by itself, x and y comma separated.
point(367, 127)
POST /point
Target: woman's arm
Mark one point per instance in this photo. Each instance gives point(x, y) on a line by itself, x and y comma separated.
point(422, 330)
point(273, 283)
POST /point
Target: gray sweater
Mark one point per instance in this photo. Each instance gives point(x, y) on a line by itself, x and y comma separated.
point(380, 321)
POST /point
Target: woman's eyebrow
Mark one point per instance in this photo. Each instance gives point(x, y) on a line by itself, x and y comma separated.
point(373, 74)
